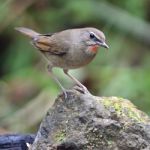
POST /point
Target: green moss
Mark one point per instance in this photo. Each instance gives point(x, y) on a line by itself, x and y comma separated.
point(134, 115)
point(114, 104)
point(59, 136)
point(110, 142)
point(124, 108)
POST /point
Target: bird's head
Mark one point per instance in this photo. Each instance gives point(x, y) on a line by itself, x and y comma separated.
point(93, 39)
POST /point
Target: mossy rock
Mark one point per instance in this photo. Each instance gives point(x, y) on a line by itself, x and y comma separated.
point(86, 122)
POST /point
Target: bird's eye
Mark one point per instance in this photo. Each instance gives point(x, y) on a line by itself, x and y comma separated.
point(92, 36)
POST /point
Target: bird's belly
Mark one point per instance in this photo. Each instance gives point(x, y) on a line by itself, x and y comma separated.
point(69, 61)
point(74, 63)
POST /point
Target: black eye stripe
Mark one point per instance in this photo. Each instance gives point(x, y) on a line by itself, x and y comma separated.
point(100, 40)
point(94, 37)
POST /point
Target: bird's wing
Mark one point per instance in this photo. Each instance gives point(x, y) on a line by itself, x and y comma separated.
point(45, 43)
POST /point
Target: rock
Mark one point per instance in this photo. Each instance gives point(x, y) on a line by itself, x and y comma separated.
point(87, 122)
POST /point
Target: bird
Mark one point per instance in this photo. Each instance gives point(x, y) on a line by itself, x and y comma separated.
point(67, 49)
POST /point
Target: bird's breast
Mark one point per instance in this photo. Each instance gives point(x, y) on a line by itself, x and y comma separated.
point(93, 48)
point(79, 57)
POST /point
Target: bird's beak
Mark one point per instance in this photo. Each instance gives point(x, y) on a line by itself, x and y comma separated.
point(103, 44)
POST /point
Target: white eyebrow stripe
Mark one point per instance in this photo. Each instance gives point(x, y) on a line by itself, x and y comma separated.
point(96, 36)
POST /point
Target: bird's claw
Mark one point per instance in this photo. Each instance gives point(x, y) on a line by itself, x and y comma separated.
point(81, 89)
point(65, 94)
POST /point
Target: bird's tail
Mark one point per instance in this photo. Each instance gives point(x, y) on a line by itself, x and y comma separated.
point(28, 32)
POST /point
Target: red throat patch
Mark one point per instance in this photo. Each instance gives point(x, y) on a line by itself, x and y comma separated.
point(94, 48)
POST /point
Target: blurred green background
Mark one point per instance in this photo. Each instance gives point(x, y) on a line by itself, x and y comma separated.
point(26, 90)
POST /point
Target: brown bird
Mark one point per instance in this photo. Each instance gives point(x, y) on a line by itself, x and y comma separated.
point(68, 49)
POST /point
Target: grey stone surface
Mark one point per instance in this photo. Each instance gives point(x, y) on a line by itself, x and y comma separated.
point(87, 122)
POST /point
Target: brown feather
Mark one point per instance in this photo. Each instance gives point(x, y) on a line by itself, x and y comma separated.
point(46, 44)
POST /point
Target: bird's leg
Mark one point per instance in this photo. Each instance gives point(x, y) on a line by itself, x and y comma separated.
point(49, 67)
point(84, 89)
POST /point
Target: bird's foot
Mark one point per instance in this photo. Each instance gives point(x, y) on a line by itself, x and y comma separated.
point(65, 93)
point(81, 89)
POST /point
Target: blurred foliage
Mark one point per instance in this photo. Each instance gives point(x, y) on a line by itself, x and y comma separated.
point(121, 71)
